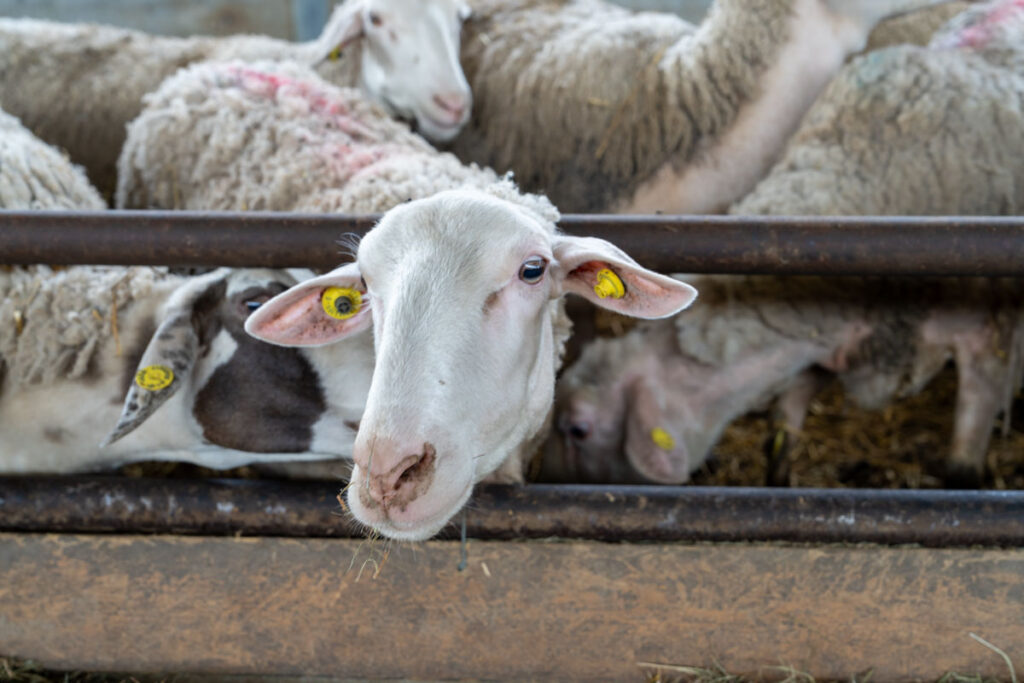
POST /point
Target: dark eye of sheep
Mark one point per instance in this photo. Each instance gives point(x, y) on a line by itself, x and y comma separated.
point(532, 270)
point(375, 19)
point(252, 305)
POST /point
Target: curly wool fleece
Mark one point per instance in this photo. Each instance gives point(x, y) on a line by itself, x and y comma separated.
point(54, 323)
point(276, 137)
point(36, 176)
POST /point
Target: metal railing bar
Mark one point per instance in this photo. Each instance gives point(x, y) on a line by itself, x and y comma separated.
point(603, 513)
point(953, 246)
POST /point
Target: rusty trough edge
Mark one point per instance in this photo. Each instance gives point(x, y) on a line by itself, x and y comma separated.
point(604, 513)
point(693, 244)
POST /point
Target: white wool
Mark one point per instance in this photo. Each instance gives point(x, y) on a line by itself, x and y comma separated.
point(34, 175)
point(53, 322)
point(914, 131)
point(276, 137)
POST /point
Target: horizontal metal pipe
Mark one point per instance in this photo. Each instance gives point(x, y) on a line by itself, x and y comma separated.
point(693, 244)
point(608, 513)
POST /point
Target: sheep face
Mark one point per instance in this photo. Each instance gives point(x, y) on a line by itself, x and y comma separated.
point(410, 58)
point(633, 410)
point(638, 409)
point(462, 291)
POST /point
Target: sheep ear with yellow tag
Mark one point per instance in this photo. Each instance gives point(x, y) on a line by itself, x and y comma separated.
point(316, 312)
point(344, 27)
point(170, 354)
point(652, 444)
point(601, 272)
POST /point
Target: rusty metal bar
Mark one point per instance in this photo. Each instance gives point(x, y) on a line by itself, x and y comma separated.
point(610, 513)
point(785, 245)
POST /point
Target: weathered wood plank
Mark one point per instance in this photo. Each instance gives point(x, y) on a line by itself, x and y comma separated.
point(571, 610)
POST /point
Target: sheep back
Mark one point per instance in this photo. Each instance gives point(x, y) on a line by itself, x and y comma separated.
point(905, 130)
point(275, 137)
point(34, 175)
point(77, 85)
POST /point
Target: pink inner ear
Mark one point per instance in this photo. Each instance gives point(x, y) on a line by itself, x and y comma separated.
point(648, 294)
point(296, 318)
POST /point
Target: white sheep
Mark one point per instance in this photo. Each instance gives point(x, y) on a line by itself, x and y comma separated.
point(74, 342)
point(77, 85)
point(276, 137)
point(464, 294)
point(911, 130)
point(605, 109)
point(649, 406)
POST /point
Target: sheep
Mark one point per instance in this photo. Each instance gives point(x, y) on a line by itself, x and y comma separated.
point(951, 143)
point(73, 341)
point(648, 407)
point(603, 109)
point(463, 291)
point(78, 85)
point(911, 130)
point(88, 355)
point(275, 137)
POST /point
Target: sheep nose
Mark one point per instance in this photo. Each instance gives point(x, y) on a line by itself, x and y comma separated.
point(579, 430)
point(394, 480)
point(574, 425)
point(453, 104)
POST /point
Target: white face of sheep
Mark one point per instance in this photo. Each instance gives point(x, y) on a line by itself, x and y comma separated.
point(410, 58)
point(462, 291)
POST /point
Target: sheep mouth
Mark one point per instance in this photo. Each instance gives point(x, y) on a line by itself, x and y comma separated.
point(436, 129)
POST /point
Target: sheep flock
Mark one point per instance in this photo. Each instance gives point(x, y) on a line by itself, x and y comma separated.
point(470, 125)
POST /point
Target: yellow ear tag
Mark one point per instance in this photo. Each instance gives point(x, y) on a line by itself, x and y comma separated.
point(341, 302)
point(335, 54)
point(609, 285)
point(662, 439)
point(154, 377)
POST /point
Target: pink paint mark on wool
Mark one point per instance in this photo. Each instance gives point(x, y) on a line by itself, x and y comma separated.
point(347, 160)
point(981, 32)
point(331, 108)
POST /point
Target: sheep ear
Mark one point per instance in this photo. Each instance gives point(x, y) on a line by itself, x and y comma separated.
point(344, 26)
point(171, 353)
point(651, 445)
point(599, 271)
point(316, 312)
point(165, 364)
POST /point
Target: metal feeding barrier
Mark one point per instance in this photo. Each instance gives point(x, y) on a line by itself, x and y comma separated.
point(990, 246)
point(942, 246)
point(264, 577)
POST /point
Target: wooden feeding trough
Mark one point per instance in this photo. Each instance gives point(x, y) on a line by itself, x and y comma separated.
point(554, 582)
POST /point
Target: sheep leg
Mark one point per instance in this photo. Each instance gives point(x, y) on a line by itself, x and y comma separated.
point(788, 416)
point(980, 392)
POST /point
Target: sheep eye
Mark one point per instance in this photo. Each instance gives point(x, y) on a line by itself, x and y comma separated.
point(252, 305)
point(532, 270)
point(375, 19)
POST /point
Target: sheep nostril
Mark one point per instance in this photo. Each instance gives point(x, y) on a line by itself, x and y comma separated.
point(417, 470)
point(579, 430)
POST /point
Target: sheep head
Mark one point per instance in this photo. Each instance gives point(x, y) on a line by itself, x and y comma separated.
point(463, 294)
point(409, 58)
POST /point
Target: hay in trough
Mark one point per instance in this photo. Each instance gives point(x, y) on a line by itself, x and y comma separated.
point(841, 445)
